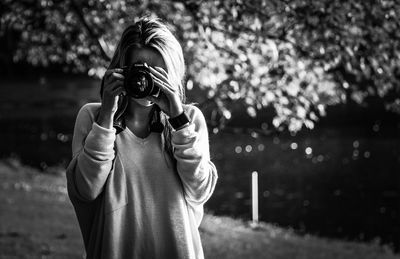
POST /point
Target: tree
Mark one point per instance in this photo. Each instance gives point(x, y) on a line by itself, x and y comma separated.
point(296, 56)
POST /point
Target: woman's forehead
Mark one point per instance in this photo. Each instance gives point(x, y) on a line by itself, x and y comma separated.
point(146, 54)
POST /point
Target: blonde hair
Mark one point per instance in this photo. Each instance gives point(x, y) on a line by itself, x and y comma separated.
point(152, 32)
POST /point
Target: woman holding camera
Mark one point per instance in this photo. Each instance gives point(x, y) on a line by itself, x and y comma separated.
point(141, 170)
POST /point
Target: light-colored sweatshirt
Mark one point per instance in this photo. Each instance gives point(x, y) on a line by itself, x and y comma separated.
point(131, 201)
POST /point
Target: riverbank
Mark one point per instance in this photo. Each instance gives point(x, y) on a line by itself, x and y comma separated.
point(38, 221)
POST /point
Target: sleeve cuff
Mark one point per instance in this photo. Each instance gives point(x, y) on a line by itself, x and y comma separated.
point(182, 135)
point(97, 127)
point(100, 138)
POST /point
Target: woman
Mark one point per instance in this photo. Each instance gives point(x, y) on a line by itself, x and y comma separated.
point(141, 170)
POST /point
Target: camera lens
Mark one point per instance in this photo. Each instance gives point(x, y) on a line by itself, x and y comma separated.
point(138, 81)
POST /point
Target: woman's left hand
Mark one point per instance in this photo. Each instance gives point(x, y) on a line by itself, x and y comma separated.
point(168, 100)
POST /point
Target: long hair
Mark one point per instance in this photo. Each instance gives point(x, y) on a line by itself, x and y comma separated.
point(152, 32)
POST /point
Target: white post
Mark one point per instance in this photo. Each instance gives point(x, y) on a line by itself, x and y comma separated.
point(254, 196)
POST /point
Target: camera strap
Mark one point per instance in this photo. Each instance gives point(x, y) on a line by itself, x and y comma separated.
point(155, 122)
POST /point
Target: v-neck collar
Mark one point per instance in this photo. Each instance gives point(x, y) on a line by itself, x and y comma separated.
point(138, 139)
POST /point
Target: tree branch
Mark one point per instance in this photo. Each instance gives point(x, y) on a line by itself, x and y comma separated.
point(75, 6)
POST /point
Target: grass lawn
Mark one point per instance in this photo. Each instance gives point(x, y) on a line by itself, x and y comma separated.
point(38, 221)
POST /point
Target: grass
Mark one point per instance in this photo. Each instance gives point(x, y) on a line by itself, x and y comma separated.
point(38, 221)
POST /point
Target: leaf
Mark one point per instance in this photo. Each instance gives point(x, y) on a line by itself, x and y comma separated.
point(251, 112)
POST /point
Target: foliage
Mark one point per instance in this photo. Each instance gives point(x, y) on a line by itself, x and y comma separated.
point(295, 56)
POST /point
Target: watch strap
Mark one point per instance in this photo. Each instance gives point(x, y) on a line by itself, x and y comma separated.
point(178, 121)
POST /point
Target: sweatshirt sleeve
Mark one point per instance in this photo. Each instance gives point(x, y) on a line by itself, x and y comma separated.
point(93, 148)
point(191, 150)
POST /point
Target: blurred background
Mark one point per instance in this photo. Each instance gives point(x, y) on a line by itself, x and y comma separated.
point(306, 93)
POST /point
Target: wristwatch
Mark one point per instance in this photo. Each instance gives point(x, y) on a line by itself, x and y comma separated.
point(179, 121)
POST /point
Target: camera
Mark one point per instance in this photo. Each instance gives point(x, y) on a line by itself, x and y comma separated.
point(138, 82)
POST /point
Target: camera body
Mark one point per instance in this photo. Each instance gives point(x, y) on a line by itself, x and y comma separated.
point(138, 82)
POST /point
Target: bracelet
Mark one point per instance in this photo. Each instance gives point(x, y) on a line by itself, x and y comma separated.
point(179, 121)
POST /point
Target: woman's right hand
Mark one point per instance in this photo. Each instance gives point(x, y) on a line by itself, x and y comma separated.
point(112, 88)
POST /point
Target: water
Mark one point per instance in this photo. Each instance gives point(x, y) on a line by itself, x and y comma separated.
point(338, 190)
point(339, 180)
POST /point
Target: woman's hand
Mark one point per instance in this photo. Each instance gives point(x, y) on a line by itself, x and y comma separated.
point(112, 88)
point(168, 100)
